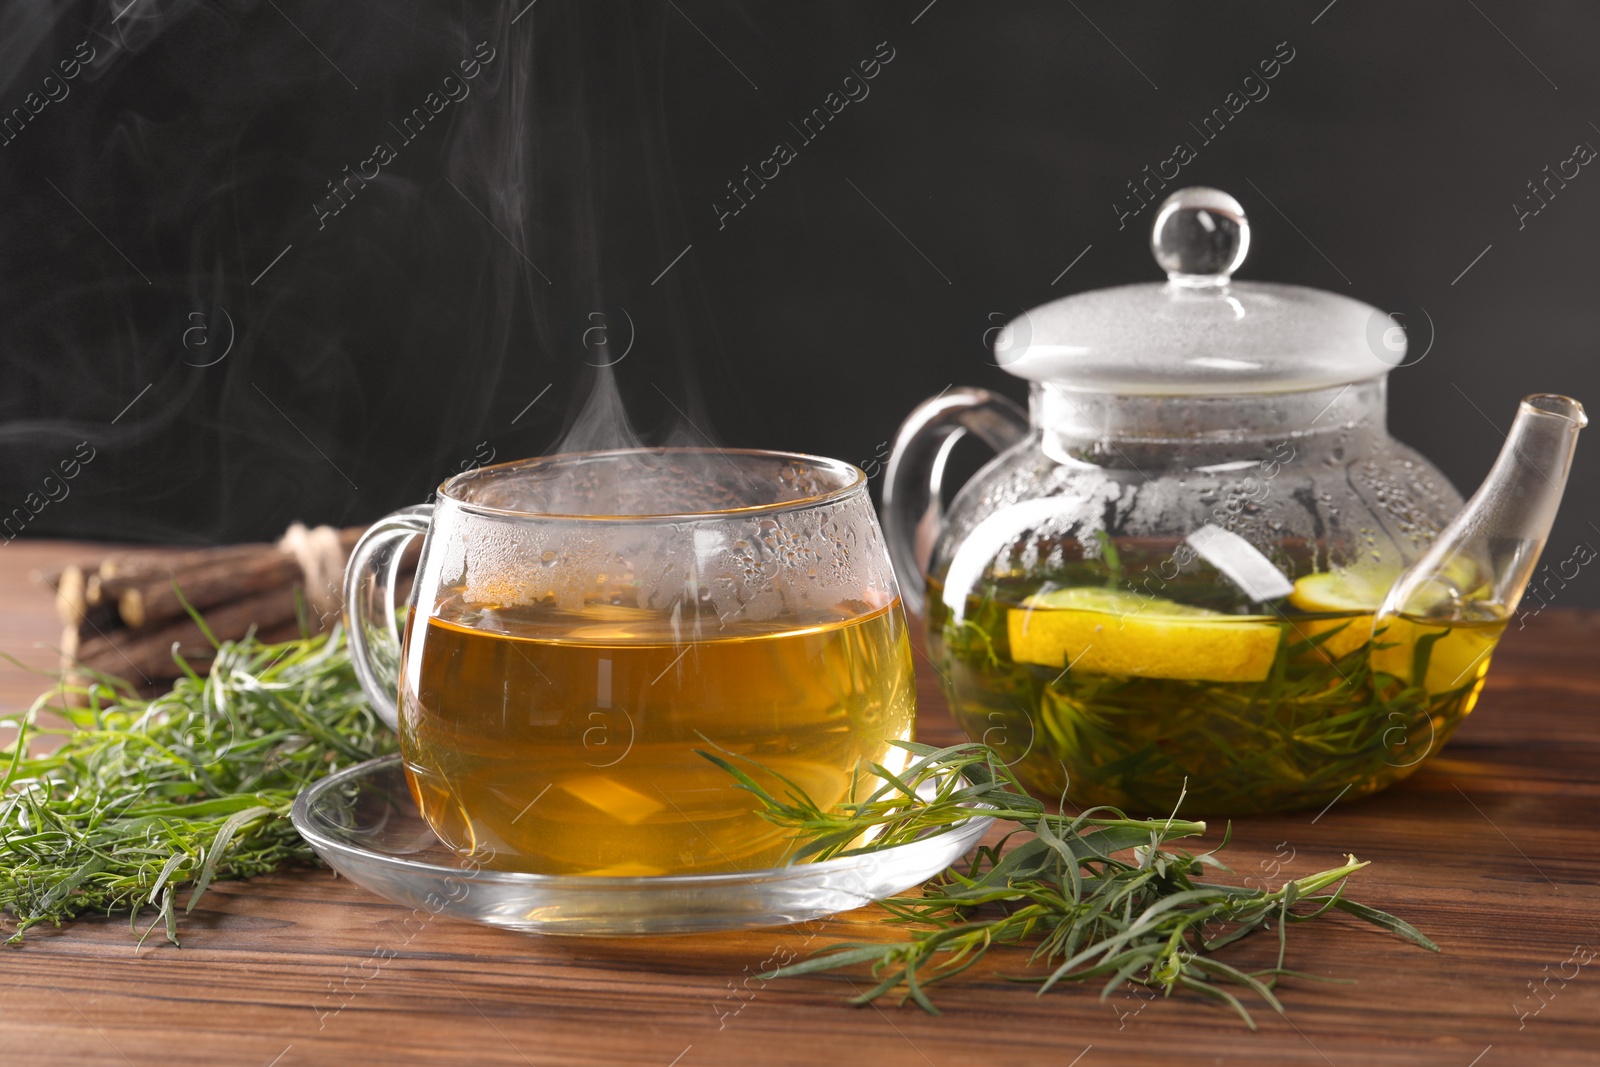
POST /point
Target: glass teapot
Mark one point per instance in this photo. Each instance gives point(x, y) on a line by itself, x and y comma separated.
point(1200, 565)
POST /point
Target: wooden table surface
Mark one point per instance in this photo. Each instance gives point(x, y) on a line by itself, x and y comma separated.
point(1492, 848)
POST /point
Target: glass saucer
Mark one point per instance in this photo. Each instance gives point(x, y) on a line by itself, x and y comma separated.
point(363, 822)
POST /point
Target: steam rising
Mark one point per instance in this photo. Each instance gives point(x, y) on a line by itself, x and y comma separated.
point(602, 422)
point(239, 359)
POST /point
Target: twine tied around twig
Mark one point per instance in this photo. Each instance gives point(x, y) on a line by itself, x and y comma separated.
point(321, 557)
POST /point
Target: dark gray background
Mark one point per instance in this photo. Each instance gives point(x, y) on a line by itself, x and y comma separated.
point(407, 336)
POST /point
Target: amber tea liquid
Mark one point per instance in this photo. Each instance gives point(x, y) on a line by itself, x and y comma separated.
point(1314, 728)
point(565, 742)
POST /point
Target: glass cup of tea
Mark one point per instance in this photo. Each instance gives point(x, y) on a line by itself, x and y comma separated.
point(583, 626)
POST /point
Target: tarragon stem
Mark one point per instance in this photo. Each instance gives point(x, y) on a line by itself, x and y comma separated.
point(1097, 896)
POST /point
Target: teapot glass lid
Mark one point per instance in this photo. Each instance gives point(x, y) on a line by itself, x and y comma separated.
point(1201, 333)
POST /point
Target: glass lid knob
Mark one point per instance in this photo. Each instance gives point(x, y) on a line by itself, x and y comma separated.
point(1199, 237)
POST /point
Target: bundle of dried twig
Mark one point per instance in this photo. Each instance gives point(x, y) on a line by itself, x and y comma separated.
point(125, 615)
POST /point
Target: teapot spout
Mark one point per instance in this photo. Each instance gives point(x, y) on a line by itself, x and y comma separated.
point(1481, 562)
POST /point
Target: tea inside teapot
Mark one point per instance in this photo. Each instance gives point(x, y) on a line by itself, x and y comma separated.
point(1114, 697)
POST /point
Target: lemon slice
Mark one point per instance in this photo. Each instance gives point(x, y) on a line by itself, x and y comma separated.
point(1459, 654)
point(1116, 602)
point(1109, 631)
point(1363, 590)
point(1356, 594)
point(1337, 591)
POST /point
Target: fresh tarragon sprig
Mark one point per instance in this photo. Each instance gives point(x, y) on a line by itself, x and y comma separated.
point(1098, 897)
point(140, 799)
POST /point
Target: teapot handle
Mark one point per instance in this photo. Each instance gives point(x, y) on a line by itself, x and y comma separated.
point(912, 510)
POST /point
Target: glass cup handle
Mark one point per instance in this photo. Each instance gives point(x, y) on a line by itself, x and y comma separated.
point(370, 620)
point(912, 510)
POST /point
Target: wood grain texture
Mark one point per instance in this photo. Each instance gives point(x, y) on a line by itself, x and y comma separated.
point(1493, 848)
